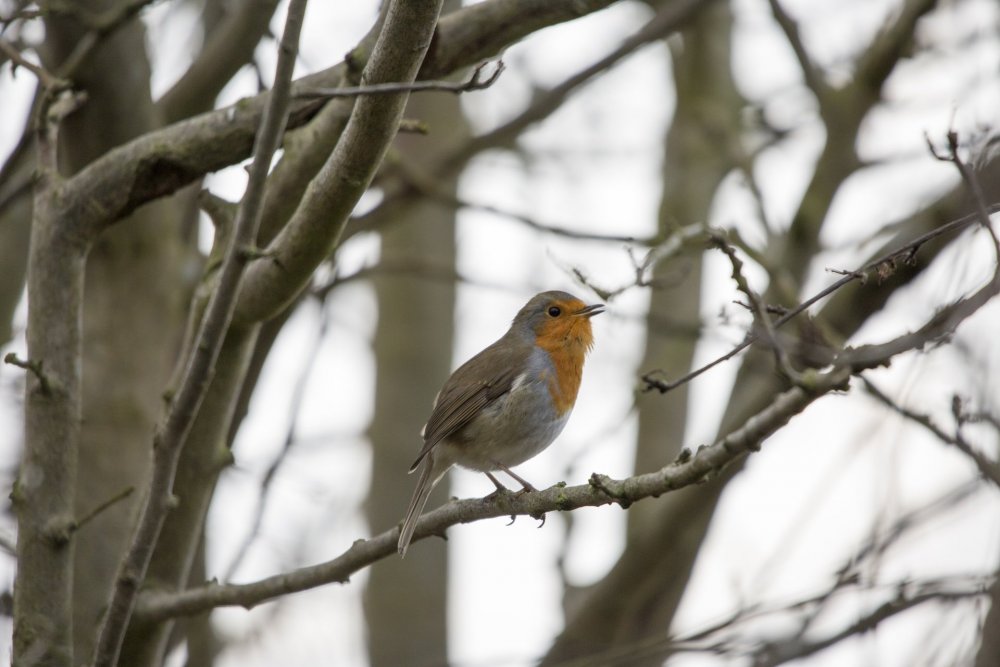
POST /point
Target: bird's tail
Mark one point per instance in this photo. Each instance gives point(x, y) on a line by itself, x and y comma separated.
point(425, 484)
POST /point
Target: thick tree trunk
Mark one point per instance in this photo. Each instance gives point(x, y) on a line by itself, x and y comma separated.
point(405, 601)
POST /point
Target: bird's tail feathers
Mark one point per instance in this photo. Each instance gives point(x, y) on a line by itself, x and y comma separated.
point(425, 484)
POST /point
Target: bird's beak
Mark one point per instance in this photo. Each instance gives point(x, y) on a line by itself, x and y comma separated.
point(590, 311)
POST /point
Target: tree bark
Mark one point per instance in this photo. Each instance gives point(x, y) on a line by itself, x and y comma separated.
point(132, 307)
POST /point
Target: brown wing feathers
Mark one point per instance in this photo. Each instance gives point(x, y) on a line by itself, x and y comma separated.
point(462, 398)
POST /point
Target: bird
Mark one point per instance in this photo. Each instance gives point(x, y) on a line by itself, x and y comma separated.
point(507, 403)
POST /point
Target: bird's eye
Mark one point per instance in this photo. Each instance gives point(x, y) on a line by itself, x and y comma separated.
point(555, 311)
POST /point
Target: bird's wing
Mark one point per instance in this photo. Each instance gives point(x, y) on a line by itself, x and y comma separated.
point(477, 383)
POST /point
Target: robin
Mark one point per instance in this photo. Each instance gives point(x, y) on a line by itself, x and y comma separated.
point(510, 401)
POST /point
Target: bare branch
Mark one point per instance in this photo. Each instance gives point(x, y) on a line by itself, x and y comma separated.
point(43, 594)
point(778, 653)
point(671, 17)
point(601, 490)
point(475, 82)
point(812, 74)
point(97, 511)
point(295, 409)
point(720, 638)
point(758, 308)
point(989, 469)
point(970, 181)
point(880, 59)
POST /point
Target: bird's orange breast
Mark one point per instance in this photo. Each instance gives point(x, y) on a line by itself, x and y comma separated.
point(567, 342)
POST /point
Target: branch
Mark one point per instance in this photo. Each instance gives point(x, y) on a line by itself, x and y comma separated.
point(778, 653)
point(988, 468)
point(100, 509)
point(601, 490)
point(970, 181)
point(45, 78)
point(880, 59)
point(726, 638)
point(295, 410)
point(760, 311)
point(428, 186)
point(670, 18)
point(882, 267)
point(812, 74)
point(33, 367)
point(689, 469)
point(946, 320)
point(172, 433)
point(483, 30)
point(475, 82)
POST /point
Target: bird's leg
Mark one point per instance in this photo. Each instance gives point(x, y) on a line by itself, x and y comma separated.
point(520, 480)
point(501, 490)
point(496, 482)
point(524, 483)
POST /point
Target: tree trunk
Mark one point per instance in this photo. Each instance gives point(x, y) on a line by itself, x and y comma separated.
point(405, 601)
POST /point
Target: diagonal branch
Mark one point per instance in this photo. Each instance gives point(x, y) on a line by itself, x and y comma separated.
point(989, 469)
point(811, 73)
point(781, 652)
point(172, 433)
point(475, 82)
point(689, 469)
point(601, 490)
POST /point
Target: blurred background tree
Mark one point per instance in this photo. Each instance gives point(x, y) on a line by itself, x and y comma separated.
point(395, 241)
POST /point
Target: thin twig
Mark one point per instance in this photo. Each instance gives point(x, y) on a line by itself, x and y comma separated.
point(989, 469)
point(97, 511)
point(173, 431)
point(526, 220)
point(757, 307)
point(475, 82)
point(33, 367)
point(678, 240)
point(971, 182)
point(291, 436)
point(780, 652)
point(45, 78)
point(813, 75)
